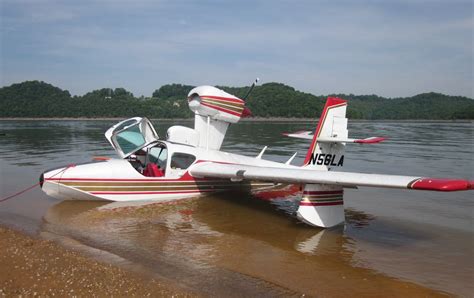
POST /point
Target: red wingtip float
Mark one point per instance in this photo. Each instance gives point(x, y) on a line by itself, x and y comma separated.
point(371, 140)
point(440, 184)
point(188, 163)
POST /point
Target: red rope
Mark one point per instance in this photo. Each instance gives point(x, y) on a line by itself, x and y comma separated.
point(34, 185)
point(19, 193)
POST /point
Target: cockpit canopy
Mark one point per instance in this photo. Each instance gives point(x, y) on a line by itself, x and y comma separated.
point(136, 140)
point(130, 135)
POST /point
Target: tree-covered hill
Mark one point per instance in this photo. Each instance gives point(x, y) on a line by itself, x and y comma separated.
point(40, 99)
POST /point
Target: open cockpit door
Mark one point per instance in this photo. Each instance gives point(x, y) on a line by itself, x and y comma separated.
point(131, 135)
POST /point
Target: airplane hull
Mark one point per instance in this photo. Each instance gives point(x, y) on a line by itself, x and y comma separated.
point(122, 183)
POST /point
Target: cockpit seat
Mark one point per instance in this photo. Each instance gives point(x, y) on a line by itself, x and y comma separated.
point(152, 170)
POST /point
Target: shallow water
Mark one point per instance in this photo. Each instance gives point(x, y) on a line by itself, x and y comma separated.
point(393, 240)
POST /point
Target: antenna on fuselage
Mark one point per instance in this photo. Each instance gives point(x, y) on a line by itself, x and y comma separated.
point(251, 88)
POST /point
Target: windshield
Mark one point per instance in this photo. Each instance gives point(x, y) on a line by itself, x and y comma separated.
point(130, 139)
point(131, 135)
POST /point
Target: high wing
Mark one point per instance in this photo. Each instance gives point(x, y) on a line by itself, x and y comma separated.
point(296, 175)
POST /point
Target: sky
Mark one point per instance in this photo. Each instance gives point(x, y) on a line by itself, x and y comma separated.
point(389, 48)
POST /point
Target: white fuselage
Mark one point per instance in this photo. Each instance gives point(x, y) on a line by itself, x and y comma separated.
point(119, 180)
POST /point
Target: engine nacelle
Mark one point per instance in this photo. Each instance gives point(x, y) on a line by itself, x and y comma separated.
point(209, 101)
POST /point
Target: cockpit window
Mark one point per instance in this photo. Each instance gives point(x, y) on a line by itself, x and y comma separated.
point(158, 155)
point(130, 139)
point(182, 161)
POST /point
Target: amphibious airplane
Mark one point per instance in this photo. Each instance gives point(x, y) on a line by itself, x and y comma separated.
point(188, 162)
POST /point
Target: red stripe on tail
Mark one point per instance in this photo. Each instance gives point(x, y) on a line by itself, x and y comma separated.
point(330, 102)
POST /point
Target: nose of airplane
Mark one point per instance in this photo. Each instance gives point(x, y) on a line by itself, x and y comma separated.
point(41, 180)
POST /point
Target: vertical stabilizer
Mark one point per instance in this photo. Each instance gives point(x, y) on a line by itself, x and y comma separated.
point(332, 124)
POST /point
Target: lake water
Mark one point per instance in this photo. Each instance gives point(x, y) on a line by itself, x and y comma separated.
point(394, 243)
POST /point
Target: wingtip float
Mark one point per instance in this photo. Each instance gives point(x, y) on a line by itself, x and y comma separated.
point(437, 184)
point(189, 162)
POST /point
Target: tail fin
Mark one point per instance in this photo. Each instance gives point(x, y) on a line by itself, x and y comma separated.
point(323, 205)
point(331, 125)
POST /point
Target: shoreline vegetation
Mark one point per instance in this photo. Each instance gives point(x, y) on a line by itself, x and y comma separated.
point(36, 267)
point(268, 102)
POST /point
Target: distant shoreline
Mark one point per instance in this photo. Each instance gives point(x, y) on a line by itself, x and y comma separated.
point(38, 99)
point(256, 119)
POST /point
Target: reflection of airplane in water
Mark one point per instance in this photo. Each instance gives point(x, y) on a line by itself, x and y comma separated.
point(243, 234)
point(217, 215)
point(193, 240)
point(189, 162)
point(258, 220)
point(190, 240)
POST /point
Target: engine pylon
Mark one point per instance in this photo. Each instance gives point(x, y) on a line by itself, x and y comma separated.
point(214, 110)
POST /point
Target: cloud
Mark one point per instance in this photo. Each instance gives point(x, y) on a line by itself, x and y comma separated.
point(389, 48)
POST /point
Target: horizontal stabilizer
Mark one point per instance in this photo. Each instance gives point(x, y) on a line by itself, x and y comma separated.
point(308, 135)
point(288, 174)
point(371, 140)
point(303, 134)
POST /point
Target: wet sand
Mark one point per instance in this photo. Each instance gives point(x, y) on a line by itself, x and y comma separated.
point(32, 266)
point(35, 267)
point(212, 251)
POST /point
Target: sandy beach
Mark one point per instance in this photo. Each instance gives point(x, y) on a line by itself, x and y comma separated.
point(35, 267)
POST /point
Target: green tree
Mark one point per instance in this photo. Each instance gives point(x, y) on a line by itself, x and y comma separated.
point(40, 99)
